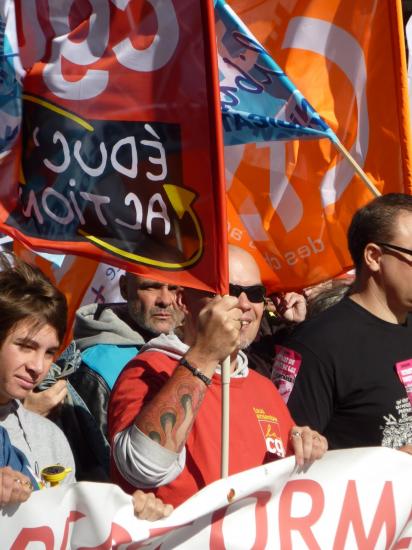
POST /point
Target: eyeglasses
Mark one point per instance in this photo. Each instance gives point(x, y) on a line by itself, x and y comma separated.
point(396, 247)
point(254, 293)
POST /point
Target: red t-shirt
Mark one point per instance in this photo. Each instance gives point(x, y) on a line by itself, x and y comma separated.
point(259, 424)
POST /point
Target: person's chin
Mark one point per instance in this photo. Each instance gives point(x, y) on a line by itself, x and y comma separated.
point(245, 343)
point(161, 327)
point(18, 393)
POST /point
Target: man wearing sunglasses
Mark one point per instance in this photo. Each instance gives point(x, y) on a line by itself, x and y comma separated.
point(164, 412)
point(354, 360)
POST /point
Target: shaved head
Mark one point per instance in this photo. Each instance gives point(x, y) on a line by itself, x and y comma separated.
point(242, 267)
point(244, 271)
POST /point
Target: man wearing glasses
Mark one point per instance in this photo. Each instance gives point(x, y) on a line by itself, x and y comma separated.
point(354, 360)
point(164, 412)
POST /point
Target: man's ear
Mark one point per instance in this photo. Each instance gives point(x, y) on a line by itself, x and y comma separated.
point(372, 256)
point(180, 302)
point(123, 287)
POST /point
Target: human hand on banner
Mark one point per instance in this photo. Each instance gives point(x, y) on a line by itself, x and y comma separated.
point(308, 444)
point(14, 487)
point(406, 449)
point(44, 402)
point(147, 506)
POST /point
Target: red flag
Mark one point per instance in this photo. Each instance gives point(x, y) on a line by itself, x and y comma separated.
point(120, 149)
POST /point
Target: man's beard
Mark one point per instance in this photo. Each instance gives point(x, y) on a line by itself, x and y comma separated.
point(146, 322)
point(245, 342)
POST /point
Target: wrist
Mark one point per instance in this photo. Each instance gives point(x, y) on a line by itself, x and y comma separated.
point(203, 363)
point(195, 371)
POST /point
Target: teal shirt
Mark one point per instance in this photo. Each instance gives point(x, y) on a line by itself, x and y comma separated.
point(108, 360)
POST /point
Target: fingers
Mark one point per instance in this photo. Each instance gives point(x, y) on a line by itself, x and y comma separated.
point(44, 402)
point(292, 307)
point(291, 298)
point(406, 449)
point(14, 487)
point(60, 391)
point(308, 444)
point(227, 307)
point(148, 506)
point(219, 325)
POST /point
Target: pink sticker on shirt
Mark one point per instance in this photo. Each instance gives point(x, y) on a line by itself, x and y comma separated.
point(285, 369)
point(404, 370)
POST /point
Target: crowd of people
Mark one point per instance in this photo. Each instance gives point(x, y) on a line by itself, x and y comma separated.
point(136, 397)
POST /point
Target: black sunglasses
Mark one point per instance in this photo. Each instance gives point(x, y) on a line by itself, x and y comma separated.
point(254, 293)
point(396, 247)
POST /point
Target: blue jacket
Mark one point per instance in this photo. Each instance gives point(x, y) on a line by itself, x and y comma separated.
point(13, 457)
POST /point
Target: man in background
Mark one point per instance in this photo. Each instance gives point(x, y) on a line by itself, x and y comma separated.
point(346, 371)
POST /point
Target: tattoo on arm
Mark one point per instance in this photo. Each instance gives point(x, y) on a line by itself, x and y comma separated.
point(169, 416)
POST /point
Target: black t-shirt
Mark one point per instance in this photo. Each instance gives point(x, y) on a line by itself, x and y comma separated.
point(347, 386)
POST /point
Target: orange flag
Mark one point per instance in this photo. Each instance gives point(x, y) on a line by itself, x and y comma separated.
point(290, 203)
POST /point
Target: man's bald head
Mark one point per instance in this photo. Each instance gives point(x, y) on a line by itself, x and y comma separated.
point(244, 272)
point(242, 265)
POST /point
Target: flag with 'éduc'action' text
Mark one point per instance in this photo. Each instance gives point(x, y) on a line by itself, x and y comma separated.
point(119, 156)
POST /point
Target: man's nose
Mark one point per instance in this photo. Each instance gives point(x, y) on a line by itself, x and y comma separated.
point(244, 303)
point(165, 297)
point(37, 363)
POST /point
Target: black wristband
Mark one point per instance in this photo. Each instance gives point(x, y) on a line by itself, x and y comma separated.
point(195, 371)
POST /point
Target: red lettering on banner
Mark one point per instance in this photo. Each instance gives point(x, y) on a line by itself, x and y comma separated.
point(156, 532)
point(352, 515)
point(27, 535)
point(216, 533)
point(118, 535)
point(406, 542)
point(303, 524)
point(44, 534)
point(73, 516)
point(403, 544)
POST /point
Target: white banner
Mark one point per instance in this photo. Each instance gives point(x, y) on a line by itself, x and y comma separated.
point(357, 498)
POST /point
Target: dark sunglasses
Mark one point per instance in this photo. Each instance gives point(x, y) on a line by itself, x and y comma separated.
point(254, 293)
point(396, 247)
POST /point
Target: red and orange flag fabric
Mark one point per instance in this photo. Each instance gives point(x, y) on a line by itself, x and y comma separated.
point(290, 203)
point(119, 157)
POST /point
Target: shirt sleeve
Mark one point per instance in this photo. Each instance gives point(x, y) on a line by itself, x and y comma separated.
point(307, 387)
point(140, 460)
point(143, 462)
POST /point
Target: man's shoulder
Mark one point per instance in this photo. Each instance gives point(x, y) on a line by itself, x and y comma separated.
point(335, 319)
point(150, 362)
point(156, 358)
point(105, 324)
point(108, 360)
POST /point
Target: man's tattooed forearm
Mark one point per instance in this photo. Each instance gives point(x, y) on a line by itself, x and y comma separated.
point(168, 417)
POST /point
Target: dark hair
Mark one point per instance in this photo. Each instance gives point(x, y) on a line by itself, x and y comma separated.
point(26, 293)
point(375, 222)
point(328, 297)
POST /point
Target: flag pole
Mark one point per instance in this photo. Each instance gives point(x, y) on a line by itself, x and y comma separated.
point(342, 149)
point(224, 459)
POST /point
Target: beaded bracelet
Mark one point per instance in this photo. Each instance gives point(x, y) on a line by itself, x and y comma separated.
point(196, 372)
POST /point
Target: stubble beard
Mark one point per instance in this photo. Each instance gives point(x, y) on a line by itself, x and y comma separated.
point(146, 322)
